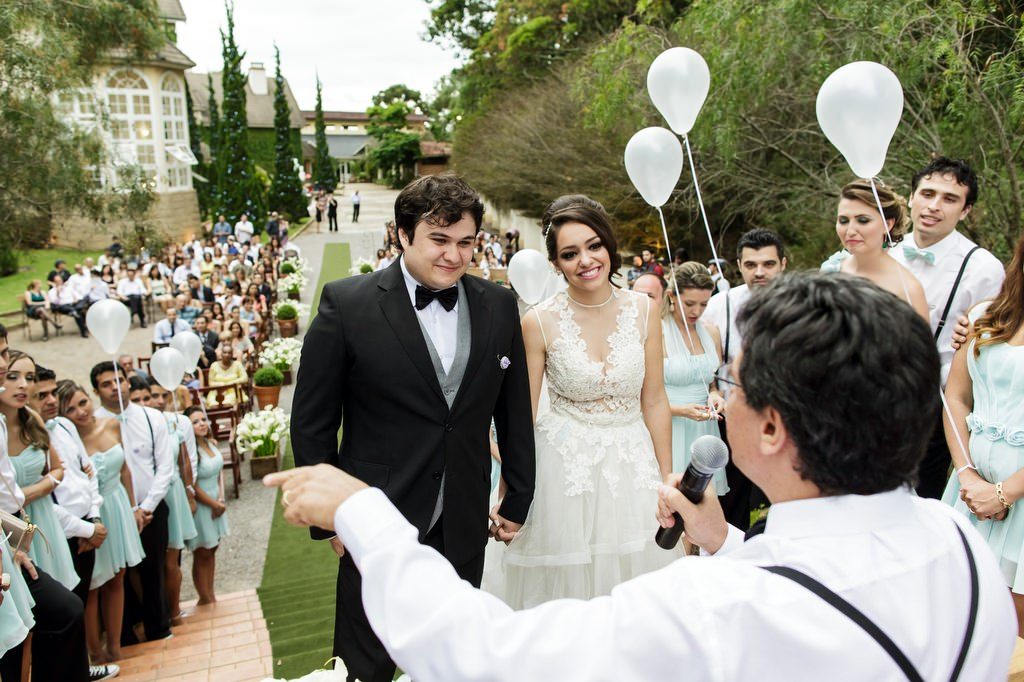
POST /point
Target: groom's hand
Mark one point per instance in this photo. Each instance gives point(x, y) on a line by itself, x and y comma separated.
point(501, 528)
point(337, 546)
point(311, 495)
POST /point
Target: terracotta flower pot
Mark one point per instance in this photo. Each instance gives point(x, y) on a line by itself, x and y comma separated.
point(261, 466)
point(287, 377)
point(267, 395)
point(288, 328)
point(294, 295)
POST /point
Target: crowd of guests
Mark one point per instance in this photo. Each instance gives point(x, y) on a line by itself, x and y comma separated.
point(119, 474)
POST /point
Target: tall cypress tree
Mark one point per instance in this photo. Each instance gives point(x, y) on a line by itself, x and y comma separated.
point(323, 168)
point(239, 188)
point(286, 188)
point(202, 188)
point(213, 142)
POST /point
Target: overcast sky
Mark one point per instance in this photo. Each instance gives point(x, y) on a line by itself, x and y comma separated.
point(359, 47)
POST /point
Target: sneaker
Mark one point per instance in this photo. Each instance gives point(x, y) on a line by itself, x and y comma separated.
point(103, 672)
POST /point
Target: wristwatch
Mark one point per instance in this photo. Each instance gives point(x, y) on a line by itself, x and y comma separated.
point(94, 520)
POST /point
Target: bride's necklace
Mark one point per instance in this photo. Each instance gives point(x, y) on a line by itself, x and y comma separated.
point(593, 305)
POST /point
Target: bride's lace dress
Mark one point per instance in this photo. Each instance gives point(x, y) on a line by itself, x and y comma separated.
point(592, 522)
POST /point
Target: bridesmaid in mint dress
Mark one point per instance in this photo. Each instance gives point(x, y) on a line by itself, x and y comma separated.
point(692, 356)
point(985, 392)
point(123, 547)
point(16, 617)
point(37, 472)
point(211, 523)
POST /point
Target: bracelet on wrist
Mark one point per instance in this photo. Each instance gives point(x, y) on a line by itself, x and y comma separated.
point(54, 480)
point(965, 468)
point(1002, 497)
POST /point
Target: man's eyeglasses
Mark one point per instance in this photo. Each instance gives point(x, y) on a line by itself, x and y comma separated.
point(727, 380)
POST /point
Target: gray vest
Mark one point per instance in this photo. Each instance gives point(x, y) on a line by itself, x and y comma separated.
point(452, 380)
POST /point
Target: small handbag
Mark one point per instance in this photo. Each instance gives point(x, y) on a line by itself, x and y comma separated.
point(19, 531)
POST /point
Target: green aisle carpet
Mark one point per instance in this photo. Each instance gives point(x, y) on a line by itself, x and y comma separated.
point(297, 592)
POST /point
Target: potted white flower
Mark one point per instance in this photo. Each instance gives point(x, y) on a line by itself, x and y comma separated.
point(261, 433)
point(362, 266)
point(282, 353)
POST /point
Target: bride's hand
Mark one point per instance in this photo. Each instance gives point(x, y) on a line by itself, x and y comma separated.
point(717, 403)
point(698, 413)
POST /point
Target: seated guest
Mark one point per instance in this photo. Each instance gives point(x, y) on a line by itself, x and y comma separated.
point(208, 338)
point(63, 300)
point(132, 291)
point(127, 365)
point(199, 293)
point(848, 553)
point(99, 290)
point(248, 314)
point(159, 288)
point(225, 372)
point(218, 319)
point(166, 328)
point(186, 312)
point(60, 269)
point(37, 306)
point(239, 340)
point(80, 284)
point(211, 522)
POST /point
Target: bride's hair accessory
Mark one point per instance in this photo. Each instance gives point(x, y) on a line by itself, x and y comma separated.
point(547, 228)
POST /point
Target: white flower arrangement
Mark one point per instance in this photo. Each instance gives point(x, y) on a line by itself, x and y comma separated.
point(302, 309)
point(294, 282)
point(300, 264)
point(362, 266)
point(262, 431)
point(281, 353)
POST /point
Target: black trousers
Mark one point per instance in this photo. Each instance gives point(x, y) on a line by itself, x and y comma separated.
point(355, 213)
point(58, 639)
point(743, 496)
point(145, 594)
point(332, 222)
point(354, 639)
point(134, 304)
point(933, 473)
point(75, 313)
point(84, 564)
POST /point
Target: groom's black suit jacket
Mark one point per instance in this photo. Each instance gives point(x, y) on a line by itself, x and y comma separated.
point(365, 366)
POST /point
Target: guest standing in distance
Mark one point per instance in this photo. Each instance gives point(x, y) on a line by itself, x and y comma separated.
point(984, 395)
point(123, 547)
point(693, 353)
point(605, 445)
point(903, 562)
point(150, 455)
point(332, 212)
point(244, 229)
point(415, 361)
point(760, 257)
point(956, 275)
point(356, 201)
point(210, 519)
point(868, 243)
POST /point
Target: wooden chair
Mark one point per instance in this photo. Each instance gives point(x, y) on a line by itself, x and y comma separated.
point(26, 321)
point(142, 362)
point(157, 346)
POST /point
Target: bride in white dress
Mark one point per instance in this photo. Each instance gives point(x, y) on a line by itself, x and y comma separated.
point(604, 446)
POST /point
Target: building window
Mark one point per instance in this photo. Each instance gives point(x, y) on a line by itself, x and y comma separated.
point(172, 112)
point(131, 118)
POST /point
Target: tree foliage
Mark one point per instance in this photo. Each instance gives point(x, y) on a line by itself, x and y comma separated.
point(202, 186)
point(47, 47)
point(396, 148)
point(559, 121)
point(286, 188)
point(324, 174)
point(239, 189)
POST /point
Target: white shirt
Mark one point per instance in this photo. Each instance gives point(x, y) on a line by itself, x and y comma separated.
point(714, 315)
point(98, 290)
point(78, 495)
point(442, 325)
point(243, 231)
point(721, 283)
point(12, 499)
point(981, 282)
point(131, 287)
point(897, 558)
point(148, 450)
point(61, 296)
point(181, 274)
point(162, 330)
point(495, 248)
point(185, 424)
point(81, 284)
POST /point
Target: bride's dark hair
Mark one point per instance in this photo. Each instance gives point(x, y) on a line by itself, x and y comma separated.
point(578, 208)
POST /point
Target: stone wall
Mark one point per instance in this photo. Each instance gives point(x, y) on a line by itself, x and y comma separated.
point(501, 221)
point(175, 214)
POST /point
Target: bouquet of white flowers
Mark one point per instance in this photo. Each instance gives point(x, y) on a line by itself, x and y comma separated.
point(362, 266)
point(294, 264)
point(301, 309)
point(261, 431)
point(294, 283)
point(281, 353)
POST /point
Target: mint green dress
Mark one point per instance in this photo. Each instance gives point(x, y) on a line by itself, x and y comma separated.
point(686, 382)
point(122, 548)
point(180, 525)
point(997, 448)
point(51, 554)
point(16, 617)
point(210, 530)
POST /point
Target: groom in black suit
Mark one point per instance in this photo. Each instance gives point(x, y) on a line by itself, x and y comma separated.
point(414, 362)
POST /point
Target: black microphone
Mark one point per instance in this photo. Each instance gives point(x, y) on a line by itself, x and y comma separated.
point(708, 454)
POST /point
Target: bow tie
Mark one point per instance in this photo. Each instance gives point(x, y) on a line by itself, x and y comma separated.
point(910, 253)
point(446, 297)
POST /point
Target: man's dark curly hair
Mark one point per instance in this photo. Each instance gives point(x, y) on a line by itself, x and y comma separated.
point(853, 372)
point(438, 200)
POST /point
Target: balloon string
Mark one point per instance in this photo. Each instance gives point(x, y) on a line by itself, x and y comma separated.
point(120, 405)
point(679, 302)
point(700, 202)
point(906, 293)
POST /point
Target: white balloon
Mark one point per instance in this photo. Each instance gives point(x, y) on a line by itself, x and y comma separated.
point(190, 347)
point(528, 272)
point(168, 366)
point(859, 108)
point(108, 321)
point(654, 160)
point(678, 83)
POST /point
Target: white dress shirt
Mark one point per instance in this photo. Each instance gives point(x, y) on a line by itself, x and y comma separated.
point(148, 450)
point(63, 295)
point(981, 282)
point(80, 284)
point(162, 330)
point(243, 231)
point(180, 275)
point(185, 425)
point(12, 499)
point(98, 290)
point(131, 287)
point(442, 325)
point(897, 558)
point(714, 315)
point(78, 495)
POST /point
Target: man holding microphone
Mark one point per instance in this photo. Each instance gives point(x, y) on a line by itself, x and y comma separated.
point(852, 575)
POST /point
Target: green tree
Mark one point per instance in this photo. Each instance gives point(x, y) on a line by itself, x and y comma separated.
point(324, 174)
point(239, 189)
point(202, 186)
point(396, 148)
point(213, 144)
point(286, 188)
point(49, 164)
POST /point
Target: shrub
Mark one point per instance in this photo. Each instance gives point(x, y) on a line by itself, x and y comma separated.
point(268, 376)
point(287, 268)
point(287, 312)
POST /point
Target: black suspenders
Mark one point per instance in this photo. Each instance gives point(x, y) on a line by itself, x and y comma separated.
point(952, 293)
point(875, 632)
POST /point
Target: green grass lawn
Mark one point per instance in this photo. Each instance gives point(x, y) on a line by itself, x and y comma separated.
point(299, 577)
point(36, 264)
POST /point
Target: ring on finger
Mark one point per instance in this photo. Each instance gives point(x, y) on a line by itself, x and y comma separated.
point(284, 499)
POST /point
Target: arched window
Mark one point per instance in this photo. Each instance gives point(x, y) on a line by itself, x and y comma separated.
point(172, 113)
point(131, 117)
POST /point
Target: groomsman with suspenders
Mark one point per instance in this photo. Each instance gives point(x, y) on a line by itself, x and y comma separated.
point(956, 274)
